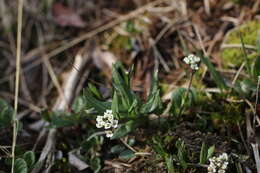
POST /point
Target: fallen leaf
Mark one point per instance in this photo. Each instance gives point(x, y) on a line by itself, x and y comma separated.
point(66, 16)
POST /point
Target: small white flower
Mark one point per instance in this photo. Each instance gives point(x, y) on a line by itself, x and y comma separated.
point(186, 60)
point(107, 125)
point(107, 121)
point(224, 156)
point(194, 66)
point(109, 133)
point(193, 61)
point(99, 125)
point(109, 117)
point(99, 118)
point(115, 123)
point(211, 169)
point(218, 164)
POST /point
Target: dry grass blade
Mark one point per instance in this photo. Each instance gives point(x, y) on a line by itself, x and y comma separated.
point(17, 78)
point(256, 155)
point(256, 101)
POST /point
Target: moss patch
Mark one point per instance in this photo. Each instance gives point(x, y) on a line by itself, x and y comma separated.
point(249, 32)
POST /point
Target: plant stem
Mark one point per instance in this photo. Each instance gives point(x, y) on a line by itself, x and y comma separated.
point(17, 78)
point(186, 94)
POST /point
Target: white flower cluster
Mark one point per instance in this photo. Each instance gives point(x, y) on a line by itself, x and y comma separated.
point(107, 121)
point(193, 61)
point(218, 164)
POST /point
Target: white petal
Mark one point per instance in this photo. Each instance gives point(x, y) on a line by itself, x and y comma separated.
point(99, 125)
point(99, 118)
point(109, 111)
point(110, 118)
point(109, 133)
point(107, 125)
point(115, 124)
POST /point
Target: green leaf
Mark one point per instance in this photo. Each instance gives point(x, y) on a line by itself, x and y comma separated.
point(169, 163)
point(115, 105)
point(6, 113)
point(154, 87)
point(256, 67)
point(29, 158)
point(124, 130)
point(92, 102)
point(245, 54)
point(127, 154)
point(158, 146)
point(94, 91)
point(121, 83)
point(79, 104)
point(154, 102)
point(181, 154)
point(117, 149)
point(20, 166)
point(88, 144)
point(210, 152)
point(62, 119)
point(239, 167)
point(214, 73)
point(46, 115)
point(95, 164)
point(58, 122)
point(203, 154)
point(245, 87)
point(177, 99)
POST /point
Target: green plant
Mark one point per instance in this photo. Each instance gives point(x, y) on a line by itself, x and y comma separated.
point(125, 105)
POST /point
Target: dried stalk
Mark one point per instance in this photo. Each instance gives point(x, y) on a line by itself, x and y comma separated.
point(17, 78)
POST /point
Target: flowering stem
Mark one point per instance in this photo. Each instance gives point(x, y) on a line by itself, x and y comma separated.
point(187, 93)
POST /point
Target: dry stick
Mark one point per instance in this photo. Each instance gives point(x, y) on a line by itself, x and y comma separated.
point(49, 66)
point(238, 73)
point(207, 6)
point(239, 128)
point(256, 155)
point(135, 152)
point(61, 104)
point(247, 46)
point(243, 139)
point(17, 78)
point(200, 40)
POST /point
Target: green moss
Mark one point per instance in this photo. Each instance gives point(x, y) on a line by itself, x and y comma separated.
point(249, 32)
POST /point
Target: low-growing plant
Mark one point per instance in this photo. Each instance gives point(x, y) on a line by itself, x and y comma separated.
point(126, 106)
